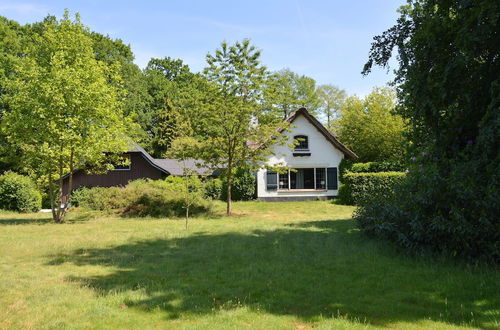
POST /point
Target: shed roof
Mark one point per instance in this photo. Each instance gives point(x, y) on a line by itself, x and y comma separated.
point(172, 166)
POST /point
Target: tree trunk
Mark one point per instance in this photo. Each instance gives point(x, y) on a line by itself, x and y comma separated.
point(58, 217)
point(229, 187)
point(51, 196)
point(186, 200)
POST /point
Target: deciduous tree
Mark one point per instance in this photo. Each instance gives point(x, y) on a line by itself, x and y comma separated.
point(64, 108)
point(368, 126)
point(332, 100)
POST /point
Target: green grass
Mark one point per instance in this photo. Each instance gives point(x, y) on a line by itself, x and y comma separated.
point(271, 266)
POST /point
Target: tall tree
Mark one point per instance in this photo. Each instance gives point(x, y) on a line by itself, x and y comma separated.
point(166, 79)
point(286, 91)
point(448, 85)
point(64, 109)
point(229, 121)
point(368, 126)
point(332, 100)
point(12, 39)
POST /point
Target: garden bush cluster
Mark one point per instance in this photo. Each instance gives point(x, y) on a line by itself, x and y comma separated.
point(19, 193)
point(455, 212)
point(359, 188)
point(156, 198)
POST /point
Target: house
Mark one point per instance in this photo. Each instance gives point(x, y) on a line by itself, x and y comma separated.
point(310, 169)
point(141, 165)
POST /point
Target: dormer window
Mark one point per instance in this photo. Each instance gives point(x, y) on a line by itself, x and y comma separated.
point(303, 143)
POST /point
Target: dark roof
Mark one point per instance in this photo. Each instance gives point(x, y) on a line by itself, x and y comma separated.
point(322, 129)
point(172, 166)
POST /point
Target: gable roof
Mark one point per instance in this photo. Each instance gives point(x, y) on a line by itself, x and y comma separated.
point(322, 129)
point(171, 166)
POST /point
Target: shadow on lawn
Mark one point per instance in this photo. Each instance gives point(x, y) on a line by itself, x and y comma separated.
point(312, 270)
point(76, 217)
point(14, 221)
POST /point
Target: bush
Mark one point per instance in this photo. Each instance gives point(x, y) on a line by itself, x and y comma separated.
point(345, 195)
point(213, 189)
point(156, 198)
point(79, 196)
point(454, 212)
point(359, 188)
point(19, 193)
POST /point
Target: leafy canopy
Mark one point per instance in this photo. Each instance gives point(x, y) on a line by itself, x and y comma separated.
point(368, 126)
point(65, 109)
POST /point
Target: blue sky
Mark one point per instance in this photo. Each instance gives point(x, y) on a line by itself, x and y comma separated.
point(326, 40)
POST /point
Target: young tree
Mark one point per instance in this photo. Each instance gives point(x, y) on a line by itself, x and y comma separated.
point(183, 148)
point(332, 100)
point(64, 107)
point(369, 127)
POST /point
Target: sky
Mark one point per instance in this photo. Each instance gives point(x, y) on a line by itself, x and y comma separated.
point(325, 40)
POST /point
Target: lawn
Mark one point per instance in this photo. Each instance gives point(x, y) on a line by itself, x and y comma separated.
point(270, 266)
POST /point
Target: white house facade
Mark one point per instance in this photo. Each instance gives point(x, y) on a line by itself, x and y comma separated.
point(310, 170)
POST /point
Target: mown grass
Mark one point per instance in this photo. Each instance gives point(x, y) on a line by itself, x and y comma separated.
point(272, 265)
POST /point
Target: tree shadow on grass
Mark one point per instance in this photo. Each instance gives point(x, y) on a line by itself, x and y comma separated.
point(312, 270)
point(14, 221)
point(37, 219)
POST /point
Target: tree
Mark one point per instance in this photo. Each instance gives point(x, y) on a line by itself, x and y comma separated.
point(12, 39)
point(448, 85)
point(368, 126)
point(64, 107)
point(183, 148)
point(286, 91)
point(332, 100)
point(166, 79)
point(227, 118)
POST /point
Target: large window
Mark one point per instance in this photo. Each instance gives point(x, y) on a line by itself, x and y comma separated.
point(303, 143)
point(302, 178)
point(319, 178)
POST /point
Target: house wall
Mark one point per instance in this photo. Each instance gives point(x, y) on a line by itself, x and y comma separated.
point(323, 154)
point(140, 168)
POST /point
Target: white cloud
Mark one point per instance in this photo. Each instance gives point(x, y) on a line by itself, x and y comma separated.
point(23, 8)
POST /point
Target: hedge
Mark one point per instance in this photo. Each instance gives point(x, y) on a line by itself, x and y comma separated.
point(358, 188)
point(372, 167)
point(19, 193)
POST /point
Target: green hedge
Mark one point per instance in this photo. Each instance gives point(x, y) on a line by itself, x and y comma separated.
point(372, 167)
point(358, 188)
point(19, 193)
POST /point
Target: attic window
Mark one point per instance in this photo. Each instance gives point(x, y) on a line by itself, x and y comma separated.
point(303, 143)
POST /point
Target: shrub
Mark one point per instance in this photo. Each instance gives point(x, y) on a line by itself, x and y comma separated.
point(100, 198)
point(345, 195)
point(454, 212)
point(359, 188)
point(213, 189)
point(156, 198)
point(19, 193)
point(79, 196)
